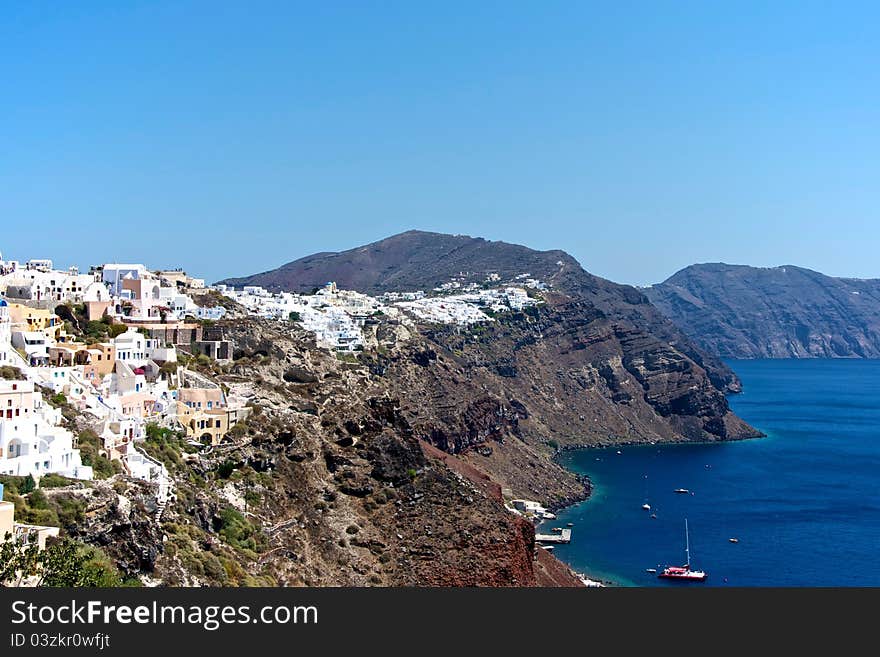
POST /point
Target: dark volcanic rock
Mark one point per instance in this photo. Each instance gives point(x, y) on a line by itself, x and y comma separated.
point(418, 260)
point(735, 311)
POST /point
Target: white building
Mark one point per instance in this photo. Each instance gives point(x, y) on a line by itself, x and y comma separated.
point(131, 347)
point(34, 344)
point(7, 266)
point(31, 442)
point(160, 352)
point(115, 273)
point(38, 284)
point(38, 265)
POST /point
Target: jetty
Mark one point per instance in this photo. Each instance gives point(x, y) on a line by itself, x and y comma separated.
point(563, 536)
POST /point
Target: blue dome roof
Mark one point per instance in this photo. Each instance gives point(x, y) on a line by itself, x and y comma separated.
point(3, 303)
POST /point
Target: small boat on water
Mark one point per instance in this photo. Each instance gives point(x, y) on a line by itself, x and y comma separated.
point(684, 572)
point(569, 524)
point(733, 540)
point(556, 529)
point(646, 506)
point(650, 570)
point(684, 491)
point(653, 515)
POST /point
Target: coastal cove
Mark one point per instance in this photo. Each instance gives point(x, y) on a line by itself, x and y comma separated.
point(801, 502)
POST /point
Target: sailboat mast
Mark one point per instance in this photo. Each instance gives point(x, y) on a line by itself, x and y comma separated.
point(687, 543)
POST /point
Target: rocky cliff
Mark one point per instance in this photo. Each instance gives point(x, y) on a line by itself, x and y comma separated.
point(326, 483)
point(735, 311)
point(506, 396)
point(418, 260)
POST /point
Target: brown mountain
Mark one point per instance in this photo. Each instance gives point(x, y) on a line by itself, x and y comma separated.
point(613, 357)
point(735, 311)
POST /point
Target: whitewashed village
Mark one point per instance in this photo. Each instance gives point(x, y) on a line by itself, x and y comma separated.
point(115, 343)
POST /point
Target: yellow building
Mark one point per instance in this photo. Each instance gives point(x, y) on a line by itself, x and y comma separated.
point(39, 320)
point(209, 427)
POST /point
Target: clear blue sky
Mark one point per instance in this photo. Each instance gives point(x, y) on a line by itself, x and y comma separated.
point(231, 137)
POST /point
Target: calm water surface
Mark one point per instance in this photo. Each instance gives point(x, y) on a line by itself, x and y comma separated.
point(803, 502)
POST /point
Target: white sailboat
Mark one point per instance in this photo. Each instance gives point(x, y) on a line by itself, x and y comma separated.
point(684, 572)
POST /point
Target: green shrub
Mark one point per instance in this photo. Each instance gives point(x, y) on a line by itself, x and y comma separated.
point(70, 510)
point(252, 498)
point(116, 330)
point(104, 468)
point(238, 430)
point(95, 329)
point(53, 480)
point(236, 530)
point(10, 373)
point(70, 563)
point(38, 500)
point(166, 445)
point(27, 485)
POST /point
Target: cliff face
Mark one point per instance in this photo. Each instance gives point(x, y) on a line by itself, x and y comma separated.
point(783, 312)
point(327, 484)
point(506, 396)
point(597, 364)
point(418, 260)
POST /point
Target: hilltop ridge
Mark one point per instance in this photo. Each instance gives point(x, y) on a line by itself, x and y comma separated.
point(738, 311)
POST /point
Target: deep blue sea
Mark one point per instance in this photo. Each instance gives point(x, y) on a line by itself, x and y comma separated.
point(804, 502)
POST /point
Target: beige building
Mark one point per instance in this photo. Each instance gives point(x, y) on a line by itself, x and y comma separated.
point(202, 399)
point(138, 404)
point(95, 310)
point(209, 426)
point(102, 361)
point(7, 518)
point(17, 400)
point(96, 359)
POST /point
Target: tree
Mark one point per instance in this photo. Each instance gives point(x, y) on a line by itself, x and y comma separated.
point(69, 563)
point(64, 562)
point(19, 559)
point(27, 485)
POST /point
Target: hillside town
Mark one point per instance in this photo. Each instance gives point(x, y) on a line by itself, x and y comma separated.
point(115, 346)
point(338, 317)
point(105, 345)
